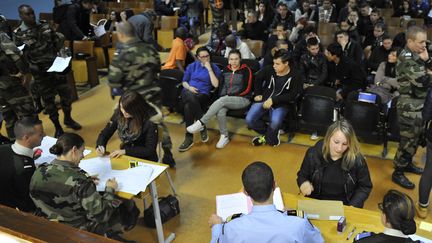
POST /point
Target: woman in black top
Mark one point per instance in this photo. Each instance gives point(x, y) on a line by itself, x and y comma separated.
point(138, 135)
point(397, 217)
point(334, 169)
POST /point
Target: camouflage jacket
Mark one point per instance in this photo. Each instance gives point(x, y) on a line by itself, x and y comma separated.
point(11, 61)
point(41, 44)
point(135, 66)
point(64, 192)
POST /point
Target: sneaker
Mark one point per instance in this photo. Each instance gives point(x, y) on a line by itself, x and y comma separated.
point(186, 145)
point(204, 135)
point(258, 141)
point(196, 127)
point(223, 141)
point(314, 136)
point(422, 212)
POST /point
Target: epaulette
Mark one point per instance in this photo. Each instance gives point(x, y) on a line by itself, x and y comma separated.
point(229, 219)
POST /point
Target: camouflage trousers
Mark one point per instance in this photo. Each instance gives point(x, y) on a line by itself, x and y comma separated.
point(47, 86)
point(123, 219)
point(15, 102)
point(410, 124)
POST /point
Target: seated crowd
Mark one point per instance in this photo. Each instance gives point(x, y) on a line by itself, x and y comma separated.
point(225, 75)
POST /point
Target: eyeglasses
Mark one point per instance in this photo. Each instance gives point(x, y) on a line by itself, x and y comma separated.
point(204, 56)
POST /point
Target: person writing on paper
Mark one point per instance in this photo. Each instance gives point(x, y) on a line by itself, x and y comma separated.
point(63, 192)
point(17, 164)
point(334, 169)
point(138, 135)
point(265, 223)
point(397, 217)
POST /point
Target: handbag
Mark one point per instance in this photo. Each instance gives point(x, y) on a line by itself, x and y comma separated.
point(168, 207)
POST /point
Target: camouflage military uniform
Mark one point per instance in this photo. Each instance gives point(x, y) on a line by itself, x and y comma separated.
point(15, 100)
point(42, 44)
point(65, 193)
point(136, 66)
point(414, 83)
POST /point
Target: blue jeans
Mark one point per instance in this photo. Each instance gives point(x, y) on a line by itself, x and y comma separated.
point(254, 121)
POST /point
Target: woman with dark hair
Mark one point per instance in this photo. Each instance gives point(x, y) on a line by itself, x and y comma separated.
point(126, 14)
point(265, 13)
point(404, 10)
point(64, 192)
point(114, 18)
point(234, 94)
point(397, 217)
point(199, 79)
point(138, 135)
point(385, 82)
point(334, 169)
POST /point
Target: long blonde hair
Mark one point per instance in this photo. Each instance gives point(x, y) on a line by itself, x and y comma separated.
point(353, 151)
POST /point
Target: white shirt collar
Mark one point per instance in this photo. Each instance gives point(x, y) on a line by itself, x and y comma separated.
point(394, 232)
point(21, 150)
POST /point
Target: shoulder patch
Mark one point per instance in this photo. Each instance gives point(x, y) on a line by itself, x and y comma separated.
point(234, 216)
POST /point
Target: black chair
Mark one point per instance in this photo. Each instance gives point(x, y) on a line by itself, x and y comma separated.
point(367, 119)
point(170, 83)
point(317, 109)
point(220, 61)
point(254, 65)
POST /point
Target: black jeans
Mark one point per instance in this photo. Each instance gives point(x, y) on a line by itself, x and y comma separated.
point(425, 184)
point(194, 105)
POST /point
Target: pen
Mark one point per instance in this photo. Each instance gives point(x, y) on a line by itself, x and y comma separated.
point(351, 233)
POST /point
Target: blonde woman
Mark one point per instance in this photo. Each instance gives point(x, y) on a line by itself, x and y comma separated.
point(334, 169)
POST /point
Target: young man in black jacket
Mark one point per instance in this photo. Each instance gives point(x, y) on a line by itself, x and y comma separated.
point(275, 89)
point(348, 76)
point(313, 65)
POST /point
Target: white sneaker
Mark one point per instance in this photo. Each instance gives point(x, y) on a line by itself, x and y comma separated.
point(196, 127)
point(314, 136)
point(223, 141)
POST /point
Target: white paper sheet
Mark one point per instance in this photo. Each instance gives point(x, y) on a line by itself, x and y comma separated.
point(227, 205)
point(157, 169)
point(46, 156)
point(60, 64)
point(133, 180)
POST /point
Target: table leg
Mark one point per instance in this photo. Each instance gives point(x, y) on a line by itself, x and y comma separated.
point(158, 221)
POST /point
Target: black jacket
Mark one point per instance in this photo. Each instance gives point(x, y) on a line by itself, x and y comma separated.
point(378, 55)
point(282, 93)
point(164, 9)
point(255, 31)
point(238, 83)
point(16, 172)
point(354, 51)
point(313, 69)
point(143, 147)
point(76, 23)
point(288, 21)
point(358, 184)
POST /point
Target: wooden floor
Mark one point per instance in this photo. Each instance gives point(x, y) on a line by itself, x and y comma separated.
point(204, 171)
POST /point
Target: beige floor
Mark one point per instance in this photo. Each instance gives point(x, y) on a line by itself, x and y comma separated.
point(204, 171)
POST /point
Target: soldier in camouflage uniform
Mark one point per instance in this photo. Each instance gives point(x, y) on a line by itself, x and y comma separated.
point(15, 100)
point(63, 192)
point(413, 72)
point(41, 47)
point(135, 66)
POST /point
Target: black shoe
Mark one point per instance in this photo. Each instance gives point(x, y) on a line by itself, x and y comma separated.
point(399, 178)
point(72, 124)
point(118, 237)
point(186, 145)
point(411, 168)
point(58, 133)
point(169, 160)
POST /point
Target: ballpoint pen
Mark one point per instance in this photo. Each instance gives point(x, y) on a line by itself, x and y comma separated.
point(351, 233)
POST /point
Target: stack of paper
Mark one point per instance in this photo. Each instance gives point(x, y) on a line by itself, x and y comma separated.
point(227, 205)
point(133, 180)
point(47, 157)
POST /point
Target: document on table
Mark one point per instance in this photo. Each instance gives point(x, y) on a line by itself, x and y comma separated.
point(227, 205)
point(59, 64)
point(133, 180)
point(46, 156)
